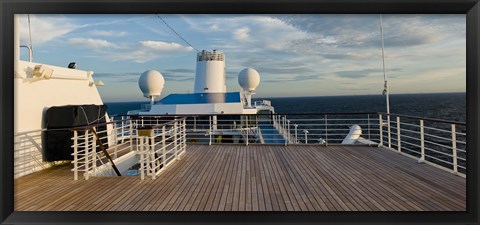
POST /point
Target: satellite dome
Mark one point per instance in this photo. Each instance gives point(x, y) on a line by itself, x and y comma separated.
point(249, 79)
point(151, 83)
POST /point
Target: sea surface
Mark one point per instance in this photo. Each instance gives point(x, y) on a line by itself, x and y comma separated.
point(446, 106)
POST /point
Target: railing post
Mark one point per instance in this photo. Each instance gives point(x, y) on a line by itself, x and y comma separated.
point(94, 156)
point(210, 131)
point(422, 143)
point(368, 122)
point(247, 133)
point(175, 138)
point(87, 166)
point(288, 131)
point(454, 149)
point(115, 140)
point(152, 162)
point(122, 131)
point(131, 134)
point(184, 136)
point(389, 132)
point(296, 134)
point(164, 149)
point(306, 132)
point(399, 142)
point(326, 130)
point(141, 151)
point(380, 129)
point(75, 155)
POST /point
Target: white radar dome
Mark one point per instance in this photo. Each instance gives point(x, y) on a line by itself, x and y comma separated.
point(249, 79)
point(151, 83)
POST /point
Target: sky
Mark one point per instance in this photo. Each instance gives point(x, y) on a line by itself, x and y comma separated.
point(295, 55)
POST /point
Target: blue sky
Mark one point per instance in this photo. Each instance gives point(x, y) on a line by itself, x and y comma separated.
point(296, 55)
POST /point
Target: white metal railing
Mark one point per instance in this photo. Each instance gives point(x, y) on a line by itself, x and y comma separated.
point(160, 145)
point(437, 142)
point(28, 153)
point(88, 159)
point(273, 128)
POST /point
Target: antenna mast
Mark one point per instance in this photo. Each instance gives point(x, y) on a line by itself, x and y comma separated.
point(385, 85)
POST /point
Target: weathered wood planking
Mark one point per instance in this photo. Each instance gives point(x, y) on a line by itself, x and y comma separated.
point(256, 178)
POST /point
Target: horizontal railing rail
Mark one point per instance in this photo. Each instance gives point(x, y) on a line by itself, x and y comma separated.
point(438, 142)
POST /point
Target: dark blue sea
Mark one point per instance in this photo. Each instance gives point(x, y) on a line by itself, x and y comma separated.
point(447, 106)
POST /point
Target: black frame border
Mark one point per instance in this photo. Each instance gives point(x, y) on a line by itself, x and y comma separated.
point(10, 7)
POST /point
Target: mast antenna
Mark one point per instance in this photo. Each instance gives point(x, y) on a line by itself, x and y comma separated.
point(30, 36)
point(385, 84)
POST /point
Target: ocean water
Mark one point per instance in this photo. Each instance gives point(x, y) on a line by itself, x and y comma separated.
point(447, 106)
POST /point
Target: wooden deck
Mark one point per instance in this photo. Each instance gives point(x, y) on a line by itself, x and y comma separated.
point(257, 178)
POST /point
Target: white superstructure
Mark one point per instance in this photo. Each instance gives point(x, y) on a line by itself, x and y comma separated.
point(37, 87)
point(210, 95)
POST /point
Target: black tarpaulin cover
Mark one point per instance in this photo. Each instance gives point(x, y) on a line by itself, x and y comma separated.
point(57, 139)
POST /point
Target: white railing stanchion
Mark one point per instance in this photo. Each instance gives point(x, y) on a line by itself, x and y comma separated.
point(175, 139)
point(115, 140)
point(454, 149)
point(296, 134)
point(87, 167)
point(75, 155)
point(389, 132)
point(210, 131)
point(141, 150)
point(131, 134)
point(326, 130)
point(184, 134)
point(288, 131)
point(399, 142)
point(122, 129)
point(306, 132)
point(422, 143)
point(247, 133)
point(164, 148)
point(380, 123)
point(153, 162)
point(368, 122)
point(94, 155)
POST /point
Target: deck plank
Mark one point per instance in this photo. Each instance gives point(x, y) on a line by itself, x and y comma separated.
point(256, 178)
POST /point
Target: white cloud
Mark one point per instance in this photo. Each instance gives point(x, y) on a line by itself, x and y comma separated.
point(45, 28)
point(145, 51)
point(92, 43)
point(164, 46)
point(107, 33)
point(252, 33)
point(241, 34)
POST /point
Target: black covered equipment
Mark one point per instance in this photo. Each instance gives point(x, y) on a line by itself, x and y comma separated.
point(57, 139)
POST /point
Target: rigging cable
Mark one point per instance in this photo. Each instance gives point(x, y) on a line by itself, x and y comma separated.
point(183, 39)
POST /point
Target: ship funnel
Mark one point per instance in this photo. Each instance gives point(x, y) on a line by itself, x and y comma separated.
point(210, 75)
point(151, 83)
point(249, 79)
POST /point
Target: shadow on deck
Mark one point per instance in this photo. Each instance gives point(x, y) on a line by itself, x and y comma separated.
point(256, 178)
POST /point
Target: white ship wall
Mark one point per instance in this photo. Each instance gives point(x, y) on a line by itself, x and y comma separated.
point(32, 97)
point(194, 109)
